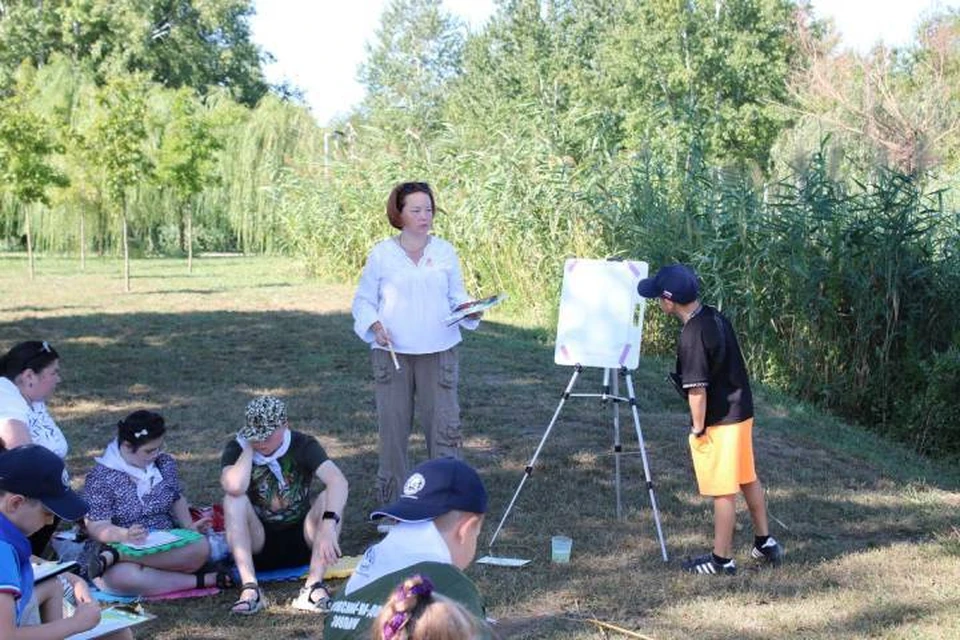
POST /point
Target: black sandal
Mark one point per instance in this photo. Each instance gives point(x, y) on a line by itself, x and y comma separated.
point(223, 579)
point(252, 606)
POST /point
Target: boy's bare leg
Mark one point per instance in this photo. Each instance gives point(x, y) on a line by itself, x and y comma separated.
point(724, 521)
point(245, 536)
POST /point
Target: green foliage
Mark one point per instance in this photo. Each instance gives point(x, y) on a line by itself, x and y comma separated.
point(25, 147)
point(843, 292)
point(119, 134)
point(418, 49)
point(186, 160)
point(702, 79)
point(177, 43)
point(935, 414)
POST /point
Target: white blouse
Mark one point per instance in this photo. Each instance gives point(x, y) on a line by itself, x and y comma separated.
point(411, 299)
point(43, 430)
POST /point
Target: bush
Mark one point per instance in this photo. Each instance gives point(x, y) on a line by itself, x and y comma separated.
point(934, 417)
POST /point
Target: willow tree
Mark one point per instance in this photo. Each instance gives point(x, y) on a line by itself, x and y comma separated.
point(25, 146)
point(117, 145)
point(187, 161)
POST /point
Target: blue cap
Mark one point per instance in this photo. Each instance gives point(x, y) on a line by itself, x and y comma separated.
point(674, 282)
point(437, 487)
point(36, 472)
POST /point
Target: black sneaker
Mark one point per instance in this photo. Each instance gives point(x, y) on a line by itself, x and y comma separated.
point(706, 564)
point(770, 553)
point(95, 559)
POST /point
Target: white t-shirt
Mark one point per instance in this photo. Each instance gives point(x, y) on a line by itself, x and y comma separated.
point(411, 300)
point(43, 430)
point(407, 544)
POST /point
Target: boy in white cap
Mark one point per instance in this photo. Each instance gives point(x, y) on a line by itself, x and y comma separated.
point(267, 472)
point(439, 514)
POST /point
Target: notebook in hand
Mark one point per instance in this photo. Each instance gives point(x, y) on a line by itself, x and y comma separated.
point(474, 306)
point(158, 541)
point(44, 570)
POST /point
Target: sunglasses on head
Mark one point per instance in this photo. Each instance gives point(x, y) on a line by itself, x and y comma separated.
point(44, 348)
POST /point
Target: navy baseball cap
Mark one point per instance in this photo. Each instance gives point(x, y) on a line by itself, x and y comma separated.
point(36, 472)
point(437, 487)
point(675, 282)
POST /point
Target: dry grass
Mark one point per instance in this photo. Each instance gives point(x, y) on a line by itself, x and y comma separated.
point(872, 531)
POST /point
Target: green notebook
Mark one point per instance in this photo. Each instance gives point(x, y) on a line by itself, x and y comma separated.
point(158, 541)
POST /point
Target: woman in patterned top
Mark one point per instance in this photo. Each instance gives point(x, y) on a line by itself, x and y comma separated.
point(134, 489)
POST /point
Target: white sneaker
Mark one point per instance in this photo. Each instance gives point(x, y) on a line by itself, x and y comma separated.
point(316, 598)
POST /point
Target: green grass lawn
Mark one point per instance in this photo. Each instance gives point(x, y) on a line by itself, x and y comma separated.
point(871, 531)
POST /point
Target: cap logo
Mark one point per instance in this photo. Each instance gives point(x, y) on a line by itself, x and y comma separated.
point(414, 484)
point(65, 478)
point(667, 294)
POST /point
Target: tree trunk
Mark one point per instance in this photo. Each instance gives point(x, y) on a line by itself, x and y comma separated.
point(26, 226)
point(181, 229)
point(190, 238)
point(126, 250)
point(83, 243)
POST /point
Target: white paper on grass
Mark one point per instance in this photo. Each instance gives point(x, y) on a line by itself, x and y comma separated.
point(499, 561)
point(601, 314)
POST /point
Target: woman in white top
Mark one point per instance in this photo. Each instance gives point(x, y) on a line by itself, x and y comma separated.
point(29, 374)
point(410, 283)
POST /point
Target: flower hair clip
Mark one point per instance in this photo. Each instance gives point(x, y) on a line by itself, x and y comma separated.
point(399, 620)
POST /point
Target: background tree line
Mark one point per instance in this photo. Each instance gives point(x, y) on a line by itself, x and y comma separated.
point(811, 187)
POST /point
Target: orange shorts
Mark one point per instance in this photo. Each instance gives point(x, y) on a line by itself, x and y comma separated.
point(723, 458)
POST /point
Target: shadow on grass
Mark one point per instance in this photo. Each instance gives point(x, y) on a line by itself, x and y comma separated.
point(199, 369)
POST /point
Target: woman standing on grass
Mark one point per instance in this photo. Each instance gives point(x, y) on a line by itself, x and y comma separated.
point(29, 374)
point(135, 489)
point(410, 283)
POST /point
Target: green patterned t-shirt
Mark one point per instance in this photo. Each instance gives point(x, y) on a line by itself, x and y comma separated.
point(287, 506)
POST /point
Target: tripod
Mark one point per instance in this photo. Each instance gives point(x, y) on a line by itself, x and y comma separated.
point(608, 395)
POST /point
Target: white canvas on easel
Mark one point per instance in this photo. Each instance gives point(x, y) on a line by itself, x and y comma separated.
point(600, 325)
point(601, 314)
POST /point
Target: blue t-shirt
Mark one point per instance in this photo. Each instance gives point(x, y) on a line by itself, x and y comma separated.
point(16, 572)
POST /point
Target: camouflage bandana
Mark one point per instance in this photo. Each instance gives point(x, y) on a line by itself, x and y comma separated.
point(265, 415)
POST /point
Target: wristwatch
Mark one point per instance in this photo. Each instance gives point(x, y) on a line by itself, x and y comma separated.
point(330, 515)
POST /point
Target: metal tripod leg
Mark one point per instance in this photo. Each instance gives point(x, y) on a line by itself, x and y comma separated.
point(529, 469)
point(617, 444)
point(646, 467)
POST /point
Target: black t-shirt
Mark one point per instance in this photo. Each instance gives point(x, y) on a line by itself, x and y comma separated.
point(709, 356)
point(289, 505)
